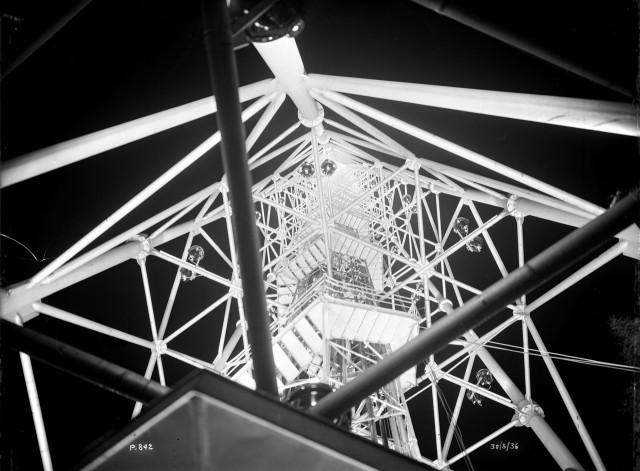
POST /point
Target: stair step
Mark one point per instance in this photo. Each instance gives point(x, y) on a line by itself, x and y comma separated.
point(317, 253)
point(284, 365)
point(310, 259)
point(315, 316)
point(296, 270)
point(297, 350)
point(309, 335)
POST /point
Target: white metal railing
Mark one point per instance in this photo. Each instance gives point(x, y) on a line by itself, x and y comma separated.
point(357, 293)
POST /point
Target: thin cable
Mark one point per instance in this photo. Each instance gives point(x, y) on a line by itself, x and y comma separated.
point(24, 246)
point(456, 429)
point(560, 356)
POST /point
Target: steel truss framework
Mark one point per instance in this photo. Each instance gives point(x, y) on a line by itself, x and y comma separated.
point(358, 241)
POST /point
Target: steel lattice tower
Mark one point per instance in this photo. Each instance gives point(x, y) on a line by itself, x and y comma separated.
point(365, 243)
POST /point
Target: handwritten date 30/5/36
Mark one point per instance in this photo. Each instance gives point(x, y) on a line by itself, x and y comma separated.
point(504, 446)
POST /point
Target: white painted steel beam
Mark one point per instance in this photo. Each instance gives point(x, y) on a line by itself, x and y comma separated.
point(19, 295)
point(593, 115)
point(283, 58)
point(462, 152)
point(80, 321)
point(34, 403)
point(486, 439)
point(50, 158)
point(579, 274)
point(146, 193)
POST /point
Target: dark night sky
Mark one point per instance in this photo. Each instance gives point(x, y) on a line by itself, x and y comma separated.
point(118, 61)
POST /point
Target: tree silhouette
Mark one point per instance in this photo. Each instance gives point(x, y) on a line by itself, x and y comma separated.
point(627, 331)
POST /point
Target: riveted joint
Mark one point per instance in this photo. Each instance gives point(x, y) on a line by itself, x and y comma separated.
point(323, 136)
point(144, 245)
point(526, 411)
point(512, 207)
point(235, 292)
point(521, 312)
point(445, 305)
point(311, 123)
point(432, 371)
point(412, 162)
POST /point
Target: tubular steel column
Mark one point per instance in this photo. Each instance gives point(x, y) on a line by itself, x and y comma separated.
point(36, 411)
point(321, 203)
point(44, 37)
point(224, 80)
point(551, 441)
point(50, 158)
point(482, 307)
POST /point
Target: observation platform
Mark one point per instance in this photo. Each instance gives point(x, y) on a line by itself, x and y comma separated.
point(210, 422)
point(331, 310)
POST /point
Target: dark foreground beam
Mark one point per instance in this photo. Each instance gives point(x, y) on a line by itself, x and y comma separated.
point(81, 364)
point(515, 39)
point(224, 81)
point(573, 248)
point(44, 37)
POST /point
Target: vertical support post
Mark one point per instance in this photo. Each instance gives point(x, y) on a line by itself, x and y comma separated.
point(178, 278)
point(152, 317)
point(323, 213)
point(436, 412)
point(224, 79)
point(174, 291)
point(523, 304)
point(527, 367)
point(439, 239)
point(34, 402)
point(487, 238)
point(224, 189)
point(519, 224)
